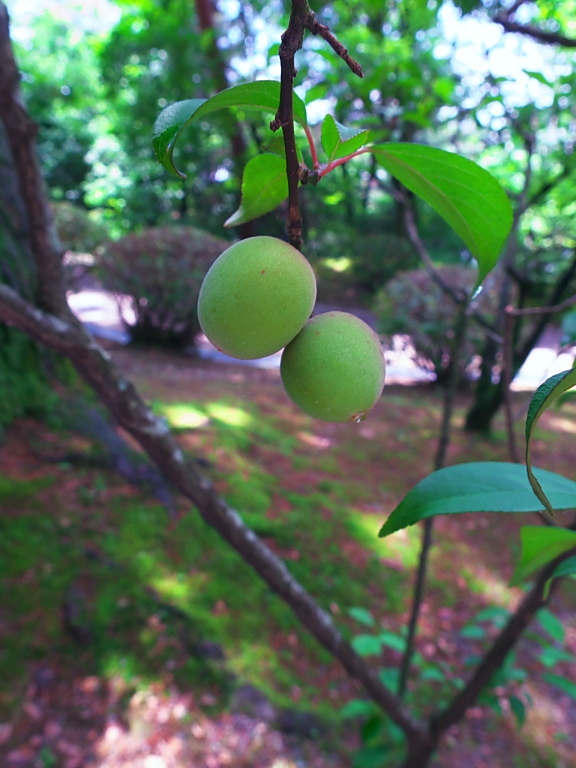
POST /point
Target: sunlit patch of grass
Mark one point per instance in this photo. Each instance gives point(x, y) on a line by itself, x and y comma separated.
point(228, 414)
point(184, 416)
point(402, 547)
point(340, 264)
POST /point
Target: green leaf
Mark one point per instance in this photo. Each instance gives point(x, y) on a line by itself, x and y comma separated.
point(433, 674)
point(565, 685)
point(551, 624)
point(357, 708)
point(263, 95)
point(339, 141)
point(393, 641)
point(519, 710)
point(550, 656)
point(568, 328)
point(484, 486)
point(544, 396)
point(540, 545)
point(498, 616)
point(467, 197)
point(538, 76)
point(473, 632)
point(264, 187)
point(367, 645)
point(362, 616)
point(567, 568)
point(371, 757)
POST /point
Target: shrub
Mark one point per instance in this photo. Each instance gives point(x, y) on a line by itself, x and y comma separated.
point(161, 270)
point(78, 232)
point(412, 304)
point(378, 257)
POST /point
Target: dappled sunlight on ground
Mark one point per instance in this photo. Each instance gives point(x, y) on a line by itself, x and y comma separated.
point(175, 621)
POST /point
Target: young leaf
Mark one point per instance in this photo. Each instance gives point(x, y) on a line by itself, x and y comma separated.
point(357, 708)
point(550, 656)
point(540, 545)
point(264, 186)
point(473, 632)
point(469, 198)
point(393, 641)
point(567, 568)
point(484, 486)
point(544, 396)
point(519, 710)
point(263, 95)
point(339, 141)
point(367, 645)
point(362, 616)
point(551, 624)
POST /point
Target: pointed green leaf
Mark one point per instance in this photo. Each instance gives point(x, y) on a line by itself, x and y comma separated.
point(392, 640)
point(264, 186)
point(263, 95)
point(469, 198)
point(362, 616)
point(519, 710)
point(567, 568)
point(484, 486)
point(339, 141)
point(357, 708)
point(367, 645)
point(538, 76)
point(540, 545)
point(544, 396)
point(551, 624)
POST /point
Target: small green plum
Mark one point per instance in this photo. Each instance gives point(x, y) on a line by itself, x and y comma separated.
point(256, 297)
point(334, 368)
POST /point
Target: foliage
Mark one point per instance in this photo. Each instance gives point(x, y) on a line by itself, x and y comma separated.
point(77, 230)
point(506, 691)
point(24, 386)
point(161, 270)
point(412, 303)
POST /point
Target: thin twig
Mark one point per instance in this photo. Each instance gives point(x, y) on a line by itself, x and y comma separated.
point(552, 38)
point(507, 381)
point(439, 461)
point(500, 648)
point(314, 26)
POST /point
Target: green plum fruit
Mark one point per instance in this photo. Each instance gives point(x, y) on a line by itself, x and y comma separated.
point(334, 368)
point(256, 297)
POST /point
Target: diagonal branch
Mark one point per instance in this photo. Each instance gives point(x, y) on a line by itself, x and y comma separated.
point(496, 655)
point(301, 18)
point(130, 411)
point(552, 38)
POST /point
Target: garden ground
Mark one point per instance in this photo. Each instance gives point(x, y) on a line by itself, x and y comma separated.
point(135, 637)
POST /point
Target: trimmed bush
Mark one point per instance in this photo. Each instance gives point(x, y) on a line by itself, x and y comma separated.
point(411, 304)
point(161, 270)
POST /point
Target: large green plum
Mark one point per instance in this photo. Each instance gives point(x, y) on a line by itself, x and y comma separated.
point(256, 297)
point(334, 368)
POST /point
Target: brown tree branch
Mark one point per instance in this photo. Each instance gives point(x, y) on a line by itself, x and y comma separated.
point(314, 26)
point(552, 38)
point(129, 411)
point(21, 133)
point(439, 461)
point(301, 18)
point(458, 296)
point(496, 655)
